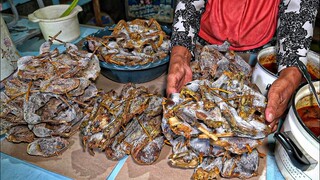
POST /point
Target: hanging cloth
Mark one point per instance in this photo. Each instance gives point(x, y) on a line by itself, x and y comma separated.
point(245, 24)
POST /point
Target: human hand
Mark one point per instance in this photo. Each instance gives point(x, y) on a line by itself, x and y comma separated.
point(179, 69)
point(280, 94)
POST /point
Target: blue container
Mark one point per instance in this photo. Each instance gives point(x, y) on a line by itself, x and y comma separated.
point(134, 74)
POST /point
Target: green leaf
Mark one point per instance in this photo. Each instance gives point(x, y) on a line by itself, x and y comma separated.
point(70, 8)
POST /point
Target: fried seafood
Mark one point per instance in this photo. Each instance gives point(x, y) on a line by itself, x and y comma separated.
point(19, 134)
point(213, 60)
point(47, 147)
point(48, 97)
point(136, 42)
point(216, 122)
point(241, 166)
point(126, 124)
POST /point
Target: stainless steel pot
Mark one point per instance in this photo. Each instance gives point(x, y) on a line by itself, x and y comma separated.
point(262, 77)
point(297, 149)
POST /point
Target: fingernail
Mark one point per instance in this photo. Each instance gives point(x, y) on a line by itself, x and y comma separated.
point(270, 117)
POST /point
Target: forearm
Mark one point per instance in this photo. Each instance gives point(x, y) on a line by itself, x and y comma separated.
point(180, 53)
point(186, 23)
point(290, 72)
point(295, 31)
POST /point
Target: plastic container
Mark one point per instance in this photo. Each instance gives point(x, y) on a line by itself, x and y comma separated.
point(50, 22)
point(134, 74)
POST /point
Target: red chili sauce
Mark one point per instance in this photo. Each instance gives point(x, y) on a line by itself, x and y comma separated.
point(272, 67)
point(310, 115)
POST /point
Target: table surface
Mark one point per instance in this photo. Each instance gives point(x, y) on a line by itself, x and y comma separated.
point(13, 168)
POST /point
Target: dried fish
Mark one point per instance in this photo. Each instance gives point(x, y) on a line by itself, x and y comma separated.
point(136, 42)
point(48, 97)
point(19, 134)
point(128, 123)
point(216, 122)
point(47, 147)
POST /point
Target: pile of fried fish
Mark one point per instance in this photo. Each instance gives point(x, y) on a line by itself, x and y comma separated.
point(128, 123)
point(216, 122)
point(136, 42)
point(48, 97)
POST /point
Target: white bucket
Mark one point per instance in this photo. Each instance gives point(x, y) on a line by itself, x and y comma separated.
point(50, 23)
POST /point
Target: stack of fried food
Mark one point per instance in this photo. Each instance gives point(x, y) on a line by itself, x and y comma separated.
point(126, 124)
point(48, 97)
point(216, 122)
point(136, 42)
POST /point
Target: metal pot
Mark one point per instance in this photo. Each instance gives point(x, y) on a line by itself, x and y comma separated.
point(297, 148)
point(263, 78)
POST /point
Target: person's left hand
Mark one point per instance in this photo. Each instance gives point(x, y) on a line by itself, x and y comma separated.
point(280, 94)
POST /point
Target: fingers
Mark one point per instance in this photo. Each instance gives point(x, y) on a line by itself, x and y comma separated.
point(176, 80)
point(280, 94)
point(276, 102)
point(172, 86)
point(175, 76)
point(274, 125)
point(178, 75)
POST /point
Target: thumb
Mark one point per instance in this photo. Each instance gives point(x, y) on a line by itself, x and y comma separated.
point(270, 113)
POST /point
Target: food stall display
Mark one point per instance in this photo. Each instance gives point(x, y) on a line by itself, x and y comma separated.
point(131, 52)
point(214, 125)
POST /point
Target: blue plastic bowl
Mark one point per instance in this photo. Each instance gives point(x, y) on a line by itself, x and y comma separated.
point(133, 74)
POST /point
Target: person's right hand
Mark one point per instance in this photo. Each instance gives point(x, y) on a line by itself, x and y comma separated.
point(280, 94)
point(179, 69)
